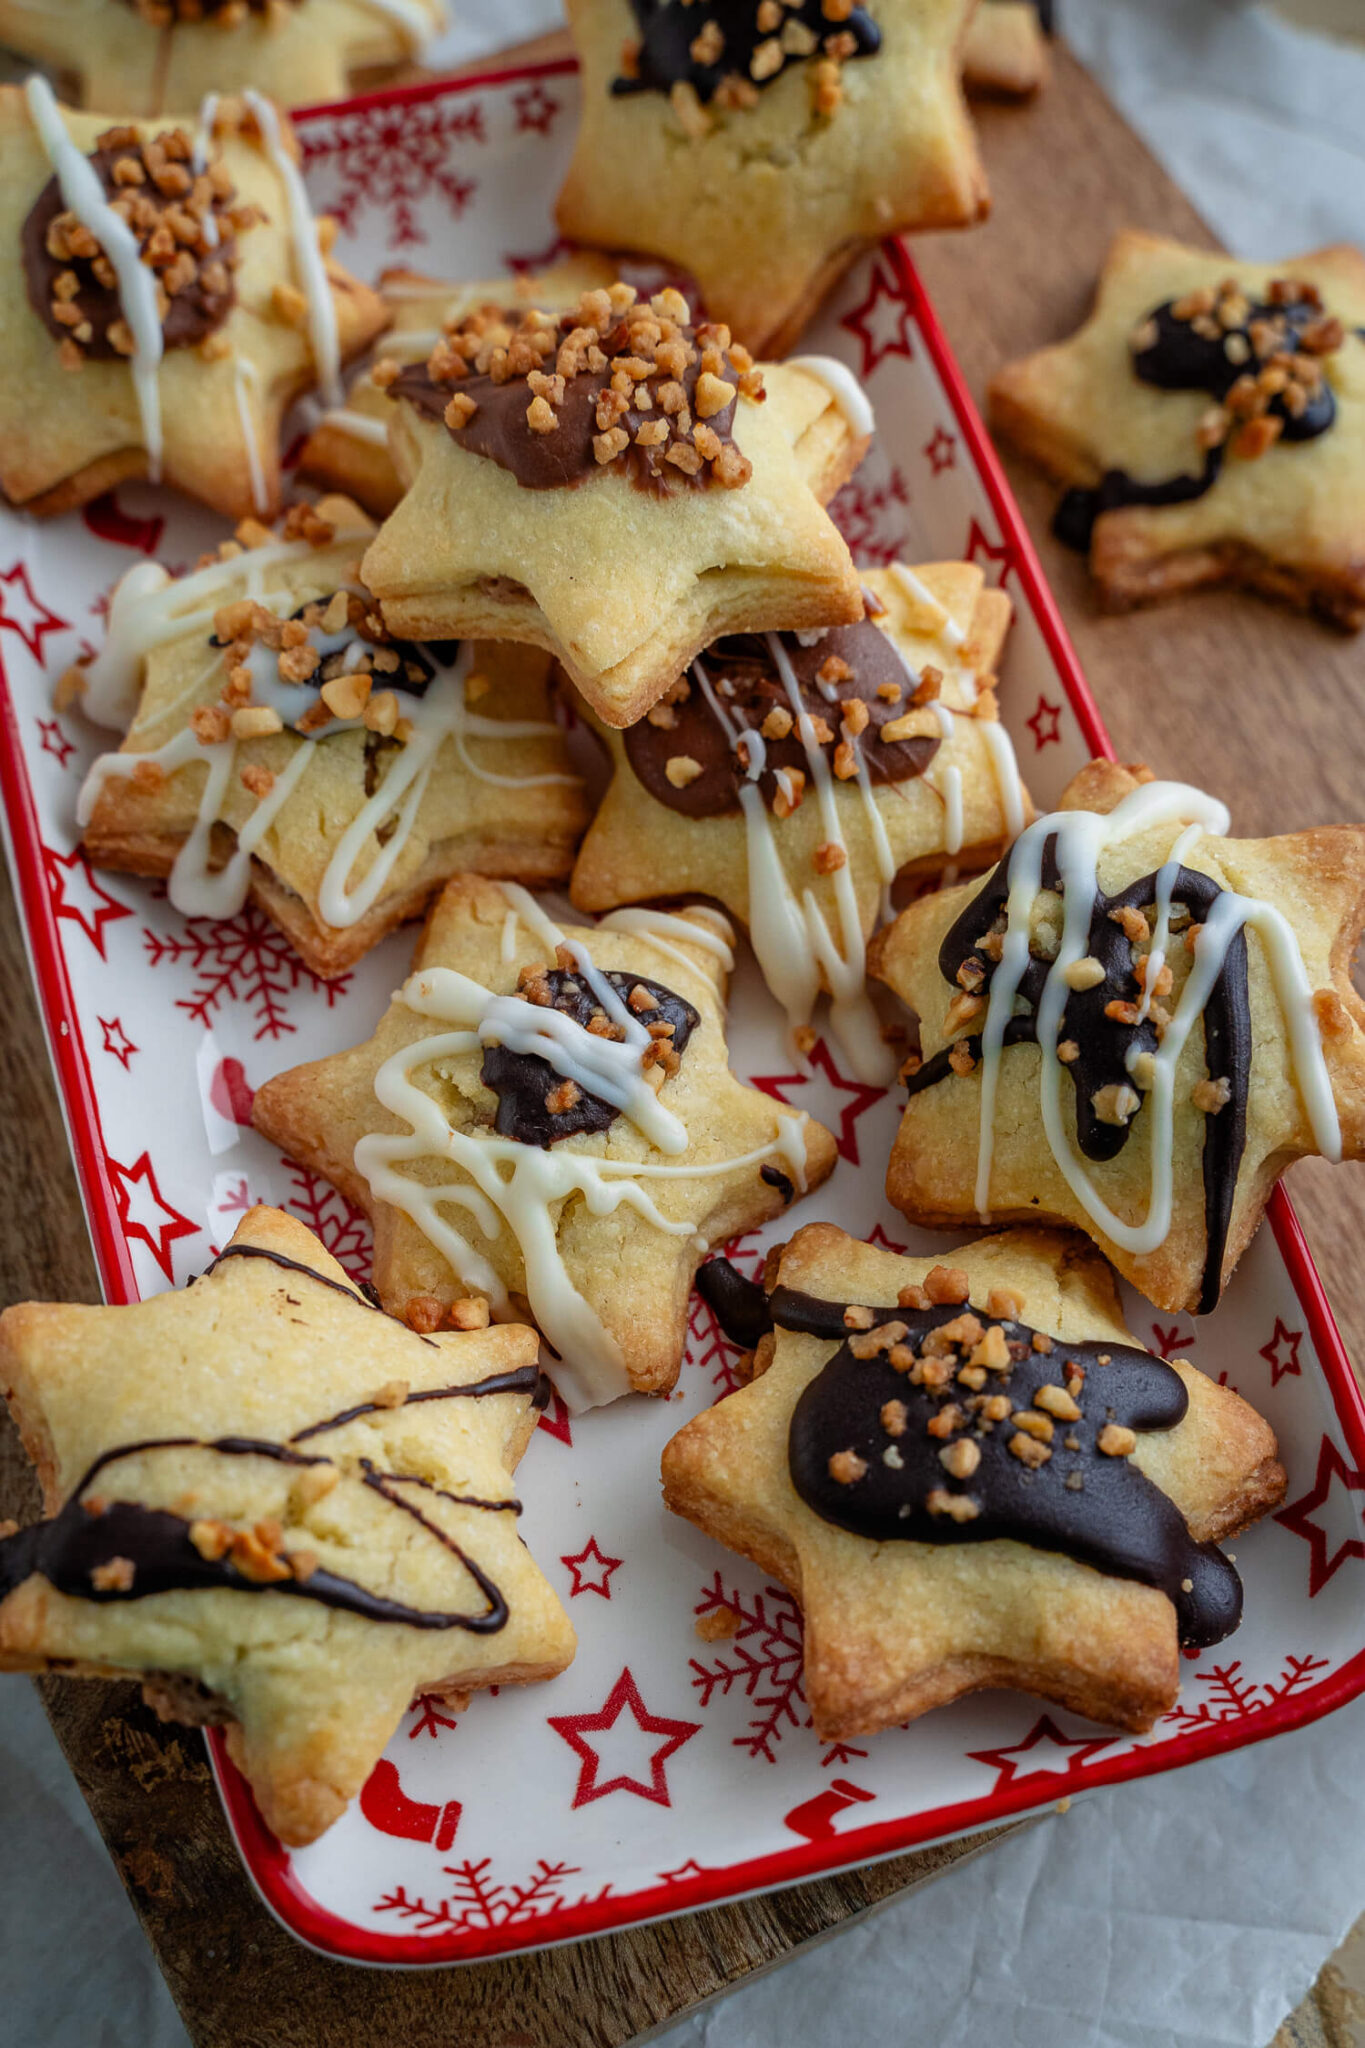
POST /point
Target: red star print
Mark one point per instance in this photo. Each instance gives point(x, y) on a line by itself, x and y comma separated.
point(556, 1421)
point(54, 741)
point(980, 549)
point(941, 451)
point(863, 1096)
point(535, 109)
point(1289, 1363)
point(116, 1040)
point(1298, 1516)
point(107, 520)
point(684, 1870)
point(623, 1706)
point(883, 321)
point(145, 1213)
point(1168, 1342)
point(592, 1570)
point(24, 613)
point(78, 896)
point(1045, 724)
point(1057, 1755)
point(878, 1236)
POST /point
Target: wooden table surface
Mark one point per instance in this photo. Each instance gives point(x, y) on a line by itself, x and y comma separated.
point(1257, 704)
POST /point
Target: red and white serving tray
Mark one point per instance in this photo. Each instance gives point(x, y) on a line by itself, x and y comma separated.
point(661, 1771)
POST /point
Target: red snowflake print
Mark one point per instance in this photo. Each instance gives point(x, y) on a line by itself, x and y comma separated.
point(874, 519)
point(1168, 1342)
point(1282, 1363)
point(116, 1040)
point(341, 1228)
point(761, 1660)
point(144, 1212)
point(1324, 1564)
point(940, 451)
point(535, 109)
point(613, 1764)
point(1232, 1696)
point(839, 1753)
point(390, 158)
point(54, 741)
point(391, 1811)
point(1051, 1755)
point(708, 1347)
point(883, 322)
point(1045, 724)
point(241, 959)
point(107, 520)
point(556, 1420)
point(980, 549)
point(477, 1900)
point(429, 1720)
point(592, 1570)
point(821, 1061)
point(23, 611)
point(78, 897)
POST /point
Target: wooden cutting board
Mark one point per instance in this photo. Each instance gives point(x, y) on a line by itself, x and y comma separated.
point(1259, 705)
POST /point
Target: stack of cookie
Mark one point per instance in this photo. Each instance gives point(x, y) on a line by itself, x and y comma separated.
point(599, 507)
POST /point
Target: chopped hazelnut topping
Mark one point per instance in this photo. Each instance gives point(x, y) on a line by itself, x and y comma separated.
point(392, 1394)
point(913, 1296)
point(1115, 1441)
point(897, 729)
point(777, 724)
point(717, 1625)
point(460, 410)
point(960, 1459)
point(346, 696)
point(846, 1467)
point(973, 1376)
point(713, 394)
point(114, 1576)
point(256, 722)
point(961, 1059)
point(959, 1507)
point(1082, 974)
point(791, 789)
point(1211, 1096)
point(946, 1284)
point(681, 769)
point(1028, 1450)
point(541, 416)
point(946, 1421)
point(895, 1418)
point(1035, 1425)
point(257, 779)
point(214, 1539)
point(1116, 1103)
point(561, 1099)
point(857, 1317)
point(829, 857)
point(1056, 1401)
point(993, 1351)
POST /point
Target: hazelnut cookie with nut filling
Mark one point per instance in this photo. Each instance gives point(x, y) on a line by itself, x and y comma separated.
point(763, 146)
point(970, 1476)
point(1210, 420)
point(1133, 1026)
point(286, 748)
point(794, 776)
point(545, 1120)
point(150, 57)
point(349, 448)
point(165, 296)
point(297, 1546)
point(618, 486)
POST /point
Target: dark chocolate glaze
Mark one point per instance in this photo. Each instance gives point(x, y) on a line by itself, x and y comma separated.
point(417, 662)
point(738, 1304)
point(193, 313)
point(522, 1080)
point(744, 661)
point(786, 1187)
point(1181, 360)
point(668, 30)
point(543, 462)
point(1116, 1521)
point(1104, 1043)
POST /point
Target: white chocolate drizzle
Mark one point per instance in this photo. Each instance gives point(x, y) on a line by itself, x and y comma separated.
point(1080, 837)
point(521, 1187)
point(358, 426)
point(843, 387)
point(308, 256)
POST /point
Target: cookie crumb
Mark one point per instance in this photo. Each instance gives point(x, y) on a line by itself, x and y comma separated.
point(717, 1624)
point(472, 1313)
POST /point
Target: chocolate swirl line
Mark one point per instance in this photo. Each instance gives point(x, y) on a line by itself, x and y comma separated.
point(1115, 1519)
point(1105, 1044)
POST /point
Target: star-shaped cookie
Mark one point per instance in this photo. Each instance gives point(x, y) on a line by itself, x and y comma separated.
point(278, 1508)
point(970, 1477)
point(763, 148)
point(545, 1119)
point(349, 448)
point(619, 487)
point(1005, 55)
point(1133, 1026)
point(164, 295)
point(798, 825)
point(151, 57)
point(285, 748)
point(1210, 418)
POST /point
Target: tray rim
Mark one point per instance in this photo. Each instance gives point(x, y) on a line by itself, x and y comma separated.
point(267, 1863)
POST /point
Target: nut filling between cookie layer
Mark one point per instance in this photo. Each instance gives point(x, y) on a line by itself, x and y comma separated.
point(103, 1549)
point(1261, 361)
point(686, 759)
point(933, 1423)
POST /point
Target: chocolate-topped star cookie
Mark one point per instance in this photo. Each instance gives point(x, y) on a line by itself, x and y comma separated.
point(349, 448)
point(793, 776)
point(970, 1476)
point(277, 1507)
point(282, 745)
point(1210, 420)
point(1133, 1026)
point(545, 1121)
point(165, 293)
point(151, 57)
point(762, 146)
point(618, 486)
